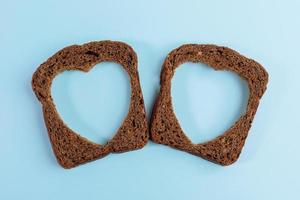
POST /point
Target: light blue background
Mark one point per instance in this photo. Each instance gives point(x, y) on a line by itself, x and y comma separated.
point(206, 102)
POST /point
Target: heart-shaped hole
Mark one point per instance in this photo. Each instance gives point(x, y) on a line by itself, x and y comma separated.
point(207, 102)
point(93, 104)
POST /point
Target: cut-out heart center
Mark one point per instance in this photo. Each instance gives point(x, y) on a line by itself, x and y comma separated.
point(207, 102)
point(93, 104)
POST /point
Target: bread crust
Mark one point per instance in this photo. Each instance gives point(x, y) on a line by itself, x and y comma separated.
point(164, 126)
point(70, 148)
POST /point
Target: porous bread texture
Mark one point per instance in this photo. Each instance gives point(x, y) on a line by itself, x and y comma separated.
point(70, 148)
point(164, 126)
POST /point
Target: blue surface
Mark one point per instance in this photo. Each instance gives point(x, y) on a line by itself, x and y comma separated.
point(206, 102)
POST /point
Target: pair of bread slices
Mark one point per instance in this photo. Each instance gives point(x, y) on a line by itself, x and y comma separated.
point(71, 149)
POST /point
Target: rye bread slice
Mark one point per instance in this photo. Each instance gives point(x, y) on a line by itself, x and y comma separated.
point(164, 126)
point(70, 148)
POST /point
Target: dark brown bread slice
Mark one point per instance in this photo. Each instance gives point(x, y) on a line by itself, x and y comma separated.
point(70, 148)
point(165, 128)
